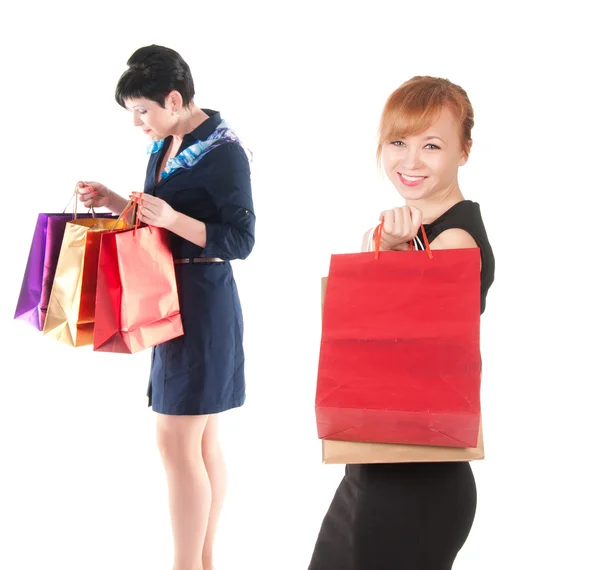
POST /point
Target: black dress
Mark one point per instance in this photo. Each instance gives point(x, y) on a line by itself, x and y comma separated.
point(202, 372)
point(406, 516)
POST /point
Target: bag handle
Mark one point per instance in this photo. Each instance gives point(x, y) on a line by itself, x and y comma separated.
point(132, 205)
point(377, 238)
point(74, 200)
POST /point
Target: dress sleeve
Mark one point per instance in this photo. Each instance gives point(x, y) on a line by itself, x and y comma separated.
point(229, 186)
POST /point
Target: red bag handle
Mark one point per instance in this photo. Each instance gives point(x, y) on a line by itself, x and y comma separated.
point(379, 231)
point(133, 203)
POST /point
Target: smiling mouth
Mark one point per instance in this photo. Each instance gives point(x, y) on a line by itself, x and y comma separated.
point(411, 178)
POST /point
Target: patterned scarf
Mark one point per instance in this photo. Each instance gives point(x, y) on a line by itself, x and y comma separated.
point(196, 152)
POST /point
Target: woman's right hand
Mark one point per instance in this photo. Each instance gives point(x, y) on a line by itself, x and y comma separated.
point(94, 194)
point(400, 226)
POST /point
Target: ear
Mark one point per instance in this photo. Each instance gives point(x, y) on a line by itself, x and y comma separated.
point(174, 102)
point(466, 153)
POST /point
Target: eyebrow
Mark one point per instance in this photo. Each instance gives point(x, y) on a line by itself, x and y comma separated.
point(434, 137)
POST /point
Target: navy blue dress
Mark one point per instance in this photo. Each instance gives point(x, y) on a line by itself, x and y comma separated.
point(202, 372)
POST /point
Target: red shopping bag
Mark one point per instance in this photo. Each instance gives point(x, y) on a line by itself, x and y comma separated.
point(137, 304)
point(400, 357)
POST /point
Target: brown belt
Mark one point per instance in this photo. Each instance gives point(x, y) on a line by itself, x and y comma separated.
point(198, 260)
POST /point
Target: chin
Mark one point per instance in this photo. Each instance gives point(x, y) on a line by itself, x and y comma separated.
point(412, 193)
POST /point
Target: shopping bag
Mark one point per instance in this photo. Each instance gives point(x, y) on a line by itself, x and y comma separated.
point(351, 452)
point(41, 266)
point(399, 359)
point(70, 315)
point(137, 304)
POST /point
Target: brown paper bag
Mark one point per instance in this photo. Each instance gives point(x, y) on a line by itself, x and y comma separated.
point(348, 452)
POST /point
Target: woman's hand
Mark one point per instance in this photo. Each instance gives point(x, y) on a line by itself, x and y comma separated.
point(154, 211)
point(94, 194)
point(400, 226)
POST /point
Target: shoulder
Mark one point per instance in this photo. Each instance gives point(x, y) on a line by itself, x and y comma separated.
point(230, 155)
point(228, 169)
point(459, 227)
point(465, 210)
point(454, 238)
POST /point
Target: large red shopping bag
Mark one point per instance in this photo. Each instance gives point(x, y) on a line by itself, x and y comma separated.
point(400, 356)
point(137, 304)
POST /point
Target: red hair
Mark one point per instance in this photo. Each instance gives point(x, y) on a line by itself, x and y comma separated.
point(416, 104)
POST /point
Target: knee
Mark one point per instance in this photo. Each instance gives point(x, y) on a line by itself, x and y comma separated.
point(170, 446)
point(211, 450)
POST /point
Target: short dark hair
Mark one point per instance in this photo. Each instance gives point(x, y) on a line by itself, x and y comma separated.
point(154, 71)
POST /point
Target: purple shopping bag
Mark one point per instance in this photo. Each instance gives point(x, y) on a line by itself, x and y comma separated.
point(41, 266)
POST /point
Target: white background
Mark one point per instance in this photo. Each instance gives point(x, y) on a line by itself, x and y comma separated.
point(82, 486)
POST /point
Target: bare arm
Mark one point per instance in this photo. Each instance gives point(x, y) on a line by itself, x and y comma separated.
point(116, 204)
point(454, 239)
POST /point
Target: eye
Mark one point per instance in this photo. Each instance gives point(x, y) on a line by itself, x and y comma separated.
point(398, 143)
point(143, 112)
point(432, 147)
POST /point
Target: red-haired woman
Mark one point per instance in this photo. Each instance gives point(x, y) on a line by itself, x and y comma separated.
point(414, 516)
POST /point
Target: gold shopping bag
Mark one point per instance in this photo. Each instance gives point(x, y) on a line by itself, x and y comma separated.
point(70, 316)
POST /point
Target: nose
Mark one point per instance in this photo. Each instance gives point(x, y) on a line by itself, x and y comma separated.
point(137, 122)
point(412, 158)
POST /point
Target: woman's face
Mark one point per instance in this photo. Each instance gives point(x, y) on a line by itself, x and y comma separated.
point(155, 122)
point(425, 165)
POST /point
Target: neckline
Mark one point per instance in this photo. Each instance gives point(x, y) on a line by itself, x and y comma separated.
point(442, 216)
point(200, 133)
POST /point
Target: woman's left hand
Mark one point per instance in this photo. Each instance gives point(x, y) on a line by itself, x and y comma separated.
point(154, 211)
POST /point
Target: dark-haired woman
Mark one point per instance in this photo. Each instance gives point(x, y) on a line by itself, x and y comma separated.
point(198, 187)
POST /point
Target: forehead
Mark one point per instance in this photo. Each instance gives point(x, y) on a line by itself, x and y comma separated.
point(139, 103)
point(443, 125)
point(405, 122)
point(445, 121)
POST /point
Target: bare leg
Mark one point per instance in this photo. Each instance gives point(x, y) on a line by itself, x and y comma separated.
point(179, 441)
point(217, 473)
